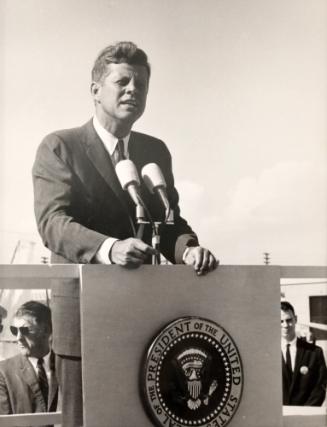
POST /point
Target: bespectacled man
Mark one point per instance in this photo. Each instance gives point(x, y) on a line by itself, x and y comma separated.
point(27, 380)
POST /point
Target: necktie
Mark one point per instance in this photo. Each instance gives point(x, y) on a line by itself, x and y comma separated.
point(118, 153)
point(43, 380)
point(288, 359)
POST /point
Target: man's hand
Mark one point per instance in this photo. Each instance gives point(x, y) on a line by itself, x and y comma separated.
point(202, 260)
point(130, 253)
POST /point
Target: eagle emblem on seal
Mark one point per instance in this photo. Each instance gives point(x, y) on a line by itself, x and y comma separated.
point(192, 364)
point(192, 375)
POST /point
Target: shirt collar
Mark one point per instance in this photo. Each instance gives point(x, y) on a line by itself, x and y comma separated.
point(291, 343)
point(109, 140)
point(46, 362)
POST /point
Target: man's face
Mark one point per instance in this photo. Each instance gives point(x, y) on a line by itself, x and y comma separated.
point(288, 322)
point(121, 96)
point(32, 339)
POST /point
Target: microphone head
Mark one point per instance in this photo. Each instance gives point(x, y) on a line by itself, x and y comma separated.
point(127, 173)
point(153, 177)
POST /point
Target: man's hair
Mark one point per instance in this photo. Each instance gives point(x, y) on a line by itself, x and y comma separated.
point(38, 310)
point(286, 306)
point(120, 52)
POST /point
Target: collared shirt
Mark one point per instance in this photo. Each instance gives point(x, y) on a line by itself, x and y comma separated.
point(110, 141)
point(46, 364)
point(292, 350)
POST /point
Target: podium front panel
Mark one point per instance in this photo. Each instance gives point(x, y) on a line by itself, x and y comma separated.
point(122, 310)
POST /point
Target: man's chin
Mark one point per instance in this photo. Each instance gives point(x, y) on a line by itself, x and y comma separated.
point(130, 114)
point(288, 337)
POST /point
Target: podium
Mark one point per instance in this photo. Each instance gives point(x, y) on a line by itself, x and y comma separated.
point(123, 310)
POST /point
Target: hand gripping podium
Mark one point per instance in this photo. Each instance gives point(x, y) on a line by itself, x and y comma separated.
point(161, 346)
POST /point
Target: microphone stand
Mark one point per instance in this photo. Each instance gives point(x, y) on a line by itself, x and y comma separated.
point(155, 231)
point(156, 243)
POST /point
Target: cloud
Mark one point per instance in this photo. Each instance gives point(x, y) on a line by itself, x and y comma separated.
point(289, 193)
point(283, 210)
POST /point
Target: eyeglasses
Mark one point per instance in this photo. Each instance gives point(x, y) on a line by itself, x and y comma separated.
point(24, 330)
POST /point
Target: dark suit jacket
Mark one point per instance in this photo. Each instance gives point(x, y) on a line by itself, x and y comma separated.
point(307, 385)
point(79, 202)
point(19, 388)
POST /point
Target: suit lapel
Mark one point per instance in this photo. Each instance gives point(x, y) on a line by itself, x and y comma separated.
point(101, 160)
point(29, 375)
point(53, 386)
point(298, 362)
point(134, 149)
point(138, 152)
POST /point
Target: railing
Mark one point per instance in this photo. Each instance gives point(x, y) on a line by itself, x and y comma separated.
point(23, 420)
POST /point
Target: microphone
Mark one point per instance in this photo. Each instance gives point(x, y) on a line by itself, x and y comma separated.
point(129, 180)
point(155, 182)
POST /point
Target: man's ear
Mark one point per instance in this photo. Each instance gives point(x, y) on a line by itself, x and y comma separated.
point(95, 90)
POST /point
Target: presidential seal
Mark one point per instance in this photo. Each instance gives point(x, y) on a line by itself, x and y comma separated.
point(193, 375)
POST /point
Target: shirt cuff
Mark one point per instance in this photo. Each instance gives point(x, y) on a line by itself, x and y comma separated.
point(103, 254)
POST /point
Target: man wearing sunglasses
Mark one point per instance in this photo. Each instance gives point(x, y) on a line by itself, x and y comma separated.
point(27, 380)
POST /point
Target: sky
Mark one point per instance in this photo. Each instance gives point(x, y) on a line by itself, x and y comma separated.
point(238, 93)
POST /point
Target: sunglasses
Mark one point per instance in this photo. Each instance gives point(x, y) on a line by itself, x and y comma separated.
point(24, 330)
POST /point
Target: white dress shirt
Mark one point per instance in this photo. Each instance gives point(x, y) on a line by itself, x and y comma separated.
point(46, 364)
point(110, 141)
point(292, 351)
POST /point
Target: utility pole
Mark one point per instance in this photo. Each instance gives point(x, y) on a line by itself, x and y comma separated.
point(266, 258)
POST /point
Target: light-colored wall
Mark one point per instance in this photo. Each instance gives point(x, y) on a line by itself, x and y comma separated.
point(298, 292)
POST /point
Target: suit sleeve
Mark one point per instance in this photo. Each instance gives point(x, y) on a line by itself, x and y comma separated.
point(174, 239)
point(56, 194)
point(318, 393)
point(5, 407)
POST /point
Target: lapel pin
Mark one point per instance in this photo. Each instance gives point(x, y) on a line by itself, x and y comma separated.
point(304, 370)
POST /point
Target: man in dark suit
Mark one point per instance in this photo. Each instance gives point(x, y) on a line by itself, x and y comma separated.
point(27, 380)
point(303, 365)
point(84, 215)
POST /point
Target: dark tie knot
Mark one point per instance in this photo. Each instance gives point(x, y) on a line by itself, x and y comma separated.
point(40, 361)
point(119, 152)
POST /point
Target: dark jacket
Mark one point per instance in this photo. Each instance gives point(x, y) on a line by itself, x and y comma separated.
point(307, 385)
point(79, 202)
